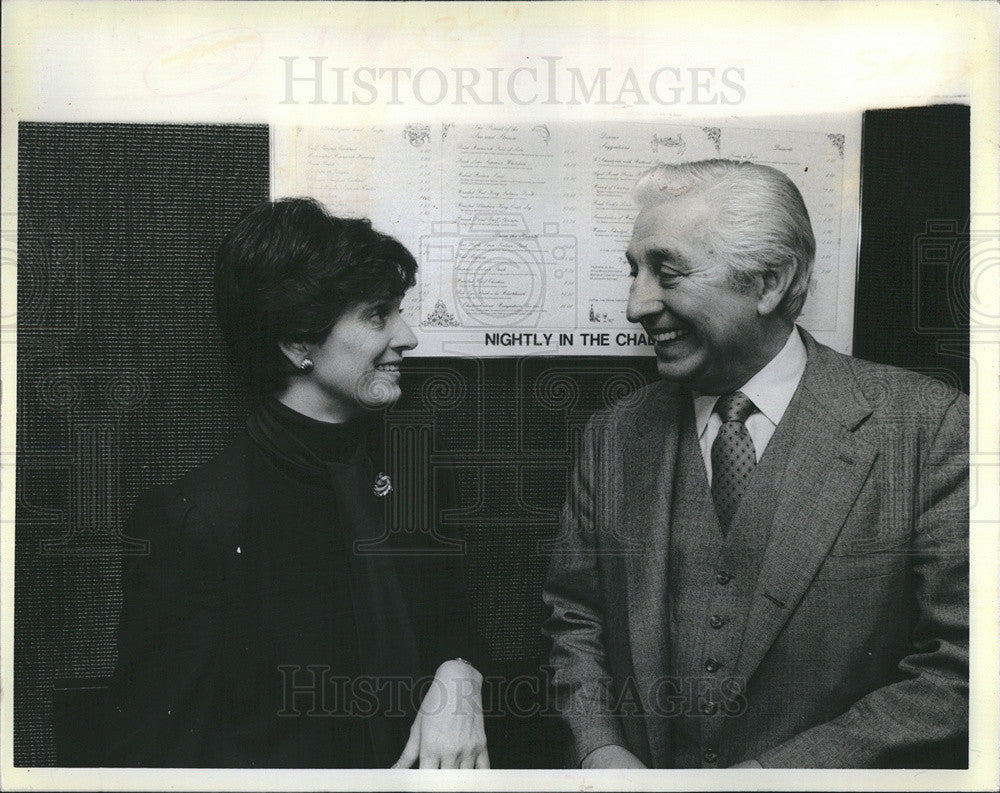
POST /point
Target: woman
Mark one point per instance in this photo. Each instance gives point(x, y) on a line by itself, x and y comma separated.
point(268, 627)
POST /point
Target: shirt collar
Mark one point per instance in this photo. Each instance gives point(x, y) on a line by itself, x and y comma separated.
point(771, 389)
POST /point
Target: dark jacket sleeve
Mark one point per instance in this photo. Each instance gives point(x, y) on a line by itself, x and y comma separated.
point(169, 640)
point(582, 684)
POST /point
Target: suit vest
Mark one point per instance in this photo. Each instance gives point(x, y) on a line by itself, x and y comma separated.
point(711, 579)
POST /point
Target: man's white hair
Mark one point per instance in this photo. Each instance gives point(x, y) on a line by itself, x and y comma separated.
point(760, 223)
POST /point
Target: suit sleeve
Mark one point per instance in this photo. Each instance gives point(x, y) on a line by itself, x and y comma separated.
point(921, 720)
point(581, 684)
point(167, 670)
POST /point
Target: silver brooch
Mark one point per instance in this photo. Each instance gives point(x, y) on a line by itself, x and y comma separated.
point(382, 486)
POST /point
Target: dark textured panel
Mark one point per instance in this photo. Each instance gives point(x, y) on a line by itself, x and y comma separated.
point(511, 427)
point(912, 303)
point(122, 381)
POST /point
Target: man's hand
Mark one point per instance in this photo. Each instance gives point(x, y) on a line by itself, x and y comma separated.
point(448, 730)
point(611, 757)
point(747, 764)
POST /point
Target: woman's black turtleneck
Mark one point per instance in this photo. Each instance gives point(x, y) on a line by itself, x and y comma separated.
point(333, 609)
point(309, 602)
point(326, 441)
point(268, 595)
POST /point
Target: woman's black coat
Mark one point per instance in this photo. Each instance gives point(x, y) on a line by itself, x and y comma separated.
point(257, 632)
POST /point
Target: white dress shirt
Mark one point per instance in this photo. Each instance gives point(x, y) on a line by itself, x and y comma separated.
point(771, 389)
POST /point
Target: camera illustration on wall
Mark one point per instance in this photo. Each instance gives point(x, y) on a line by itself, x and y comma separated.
point(499, 274)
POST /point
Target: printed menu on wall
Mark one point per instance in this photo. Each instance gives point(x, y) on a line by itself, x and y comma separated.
point(520, 229)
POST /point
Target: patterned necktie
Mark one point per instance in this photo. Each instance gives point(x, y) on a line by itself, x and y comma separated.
point(733, 457)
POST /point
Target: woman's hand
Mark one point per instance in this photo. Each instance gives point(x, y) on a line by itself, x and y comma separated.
point(448, 731)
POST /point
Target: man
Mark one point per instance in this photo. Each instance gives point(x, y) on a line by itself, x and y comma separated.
point(763, 558)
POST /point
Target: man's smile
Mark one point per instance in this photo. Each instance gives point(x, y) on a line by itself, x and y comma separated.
point(666, 336)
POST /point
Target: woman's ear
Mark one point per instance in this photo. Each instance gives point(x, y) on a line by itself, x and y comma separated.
point(297, 352)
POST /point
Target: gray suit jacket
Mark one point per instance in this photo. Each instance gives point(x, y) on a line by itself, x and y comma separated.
point(855, 651)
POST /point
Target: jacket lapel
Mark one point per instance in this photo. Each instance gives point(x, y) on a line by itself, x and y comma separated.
point(647, 455)
point(828, 464)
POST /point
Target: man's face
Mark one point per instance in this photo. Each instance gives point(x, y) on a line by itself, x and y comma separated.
point(707, 333)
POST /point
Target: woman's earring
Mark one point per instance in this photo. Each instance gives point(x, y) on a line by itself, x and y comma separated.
point(306, 365)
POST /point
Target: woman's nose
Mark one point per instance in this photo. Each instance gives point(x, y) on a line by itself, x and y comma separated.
point(403, 336)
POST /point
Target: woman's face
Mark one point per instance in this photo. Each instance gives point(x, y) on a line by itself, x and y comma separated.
point(357, 366)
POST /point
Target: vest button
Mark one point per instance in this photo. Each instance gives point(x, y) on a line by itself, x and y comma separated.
point(709, 708)
point(716, 621)
point(709, 756)
point(712, 665)
point(723, 577)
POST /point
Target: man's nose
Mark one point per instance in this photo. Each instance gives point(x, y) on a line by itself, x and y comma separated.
point(643, 298)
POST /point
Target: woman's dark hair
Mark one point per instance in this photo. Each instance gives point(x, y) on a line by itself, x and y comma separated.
point(287, 272)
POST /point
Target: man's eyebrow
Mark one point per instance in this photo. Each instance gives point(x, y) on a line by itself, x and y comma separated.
point(665, 256)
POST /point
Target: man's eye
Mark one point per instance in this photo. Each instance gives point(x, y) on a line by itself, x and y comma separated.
point(668, 277)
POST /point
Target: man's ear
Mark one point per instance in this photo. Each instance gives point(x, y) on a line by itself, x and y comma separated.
point(772, 287)
point(295, 351)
